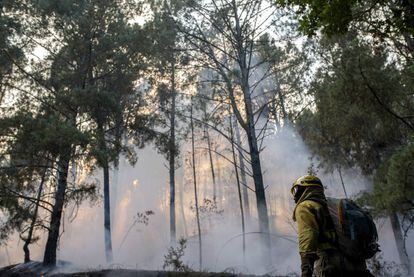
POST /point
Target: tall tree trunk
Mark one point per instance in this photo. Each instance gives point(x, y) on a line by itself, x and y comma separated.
point(236, 171)
point(282, 104)
point(182, 211)
point(243, 56)
point(342, 181)
point(219, 180)
point(213, 175)
point(104, 163)
point(172, 155)
point(34, 218)
point(53, 236)
point(200, 253)
point(242, 172)
point(257, 177)
point(273, 110)
point(65, 154)
point(74, 171)
point(119, 130)
point(399, 241)
point(114, 191)
point(107, 214)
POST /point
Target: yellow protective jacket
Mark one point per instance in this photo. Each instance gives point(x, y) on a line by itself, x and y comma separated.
point(315, 228)
point(317, 237)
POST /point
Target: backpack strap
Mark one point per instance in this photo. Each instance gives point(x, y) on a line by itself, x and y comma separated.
point(328, 235)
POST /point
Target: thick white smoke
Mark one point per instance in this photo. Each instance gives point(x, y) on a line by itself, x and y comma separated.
point(144, 187)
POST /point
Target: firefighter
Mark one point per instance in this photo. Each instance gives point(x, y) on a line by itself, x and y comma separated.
point(316, 233)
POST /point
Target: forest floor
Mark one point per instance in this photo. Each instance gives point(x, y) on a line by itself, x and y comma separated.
point(34, 269)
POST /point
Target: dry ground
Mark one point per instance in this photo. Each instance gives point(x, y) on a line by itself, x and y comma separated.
point(35, 269)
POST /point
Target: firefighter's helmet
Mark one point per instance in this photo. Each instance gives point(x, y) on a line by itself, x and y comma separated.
point(306, 181)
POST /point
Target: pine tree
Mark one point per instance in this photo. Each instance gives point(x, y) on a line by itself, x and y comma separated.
point(360, 118)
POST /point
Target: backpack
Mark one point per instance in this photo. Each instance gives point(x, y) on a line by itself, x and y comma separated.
point(357, 235)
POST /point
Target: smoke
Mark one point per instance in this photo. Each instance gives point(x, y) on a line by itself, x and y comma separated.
point(286, 157)
point(142, 244)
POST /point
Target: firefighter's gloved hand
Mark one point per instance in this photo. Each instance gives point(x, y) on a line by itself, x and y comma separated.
point(307, 262)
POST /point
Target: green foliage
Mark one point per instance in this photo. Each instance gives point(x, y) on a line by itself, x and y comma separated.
point(11, 47)
point(166, 60)
point(95, 73)
point(393, 184)
point(358, 94)
point(380, 18)
point(333, 16)
point(164, 34)
point(30, 145)
point(81, 96)
point(173, 259)
point(14, 212)
point(362, 118)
